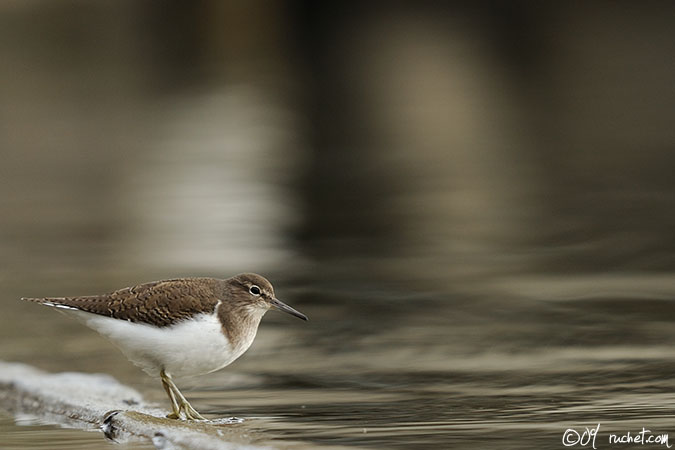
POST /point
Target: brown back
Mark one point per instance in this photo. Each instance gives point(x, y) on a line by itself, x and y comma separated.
point(159, 303)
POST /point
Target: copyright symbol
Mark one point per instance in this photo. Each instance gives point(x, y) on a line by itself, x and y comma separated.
point(570, 437)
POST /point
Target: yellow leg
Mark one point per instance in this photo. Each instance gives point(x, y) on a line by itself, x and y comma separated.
point(166, 383)
point(178, 402)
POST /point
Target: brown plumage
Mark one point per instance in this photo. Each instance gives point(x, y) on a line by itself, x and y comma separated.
point(183, 326)
point(166, 302)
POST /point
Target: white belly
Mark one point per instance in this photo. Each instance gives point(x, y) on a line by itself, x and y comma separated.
point(193, 347)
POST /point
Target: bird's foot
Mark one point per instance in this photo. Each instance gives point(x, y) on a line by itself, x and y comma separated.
point(187, 410)
point(190, 412)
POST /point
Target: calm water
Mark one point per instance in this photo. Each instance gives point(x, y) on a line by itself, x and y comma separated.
point(399, 370)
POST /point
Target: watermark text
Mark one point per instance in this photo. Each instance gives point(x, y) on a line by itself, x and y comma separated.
point(587, 437)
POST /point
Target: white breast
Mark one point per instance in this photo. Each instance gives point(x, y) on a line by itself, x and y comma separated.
point(191, 347)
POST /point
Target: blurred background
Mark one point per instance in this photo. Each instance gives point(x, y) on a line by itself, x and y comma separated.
point(461, 195)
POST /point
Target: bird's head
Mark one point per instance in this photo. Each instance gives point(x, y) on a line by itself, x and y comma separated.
point(257, 294)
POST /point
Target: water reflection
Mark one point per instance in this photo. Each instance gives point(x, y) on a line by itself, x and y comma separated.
point(473, 205)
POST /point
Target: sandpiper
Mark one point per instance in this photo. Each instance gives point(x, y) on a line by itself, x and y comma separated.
point(179, 327)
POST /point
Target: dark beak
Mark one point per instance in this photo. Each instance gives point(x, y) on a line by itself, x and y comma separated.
point(281, 306)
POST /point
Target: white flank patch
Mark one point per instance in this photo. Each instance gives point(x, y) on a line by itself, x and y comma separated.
point(191, 347)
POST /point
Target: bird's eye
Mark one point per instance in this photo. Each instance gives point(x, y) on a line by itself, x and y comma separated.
point(255, 290)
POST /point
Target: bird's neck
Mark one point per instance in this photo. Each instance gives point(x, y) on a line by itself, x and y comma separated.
point(240, 325)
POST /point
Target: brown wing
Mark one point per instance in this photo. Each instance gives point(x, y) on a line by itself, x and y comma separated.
point(159, 303)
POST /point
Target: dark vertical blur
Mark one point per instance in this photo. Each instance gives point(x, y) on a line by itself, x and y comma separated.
point(467, 140)
point(426, 143)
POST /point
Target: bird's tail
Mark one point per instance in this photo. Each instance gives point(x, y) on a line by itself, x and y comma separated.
point(56, 302)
